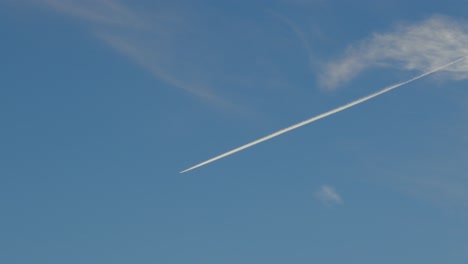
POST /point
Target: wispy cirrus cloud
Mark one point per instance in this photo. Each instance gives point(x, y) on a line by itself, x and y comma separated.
point(312, 60)
point(443, 185)
point(154, 39)
point(328, 195)
point(442, 189)
point(108, 12)
point(160, 65)
point(418, 47)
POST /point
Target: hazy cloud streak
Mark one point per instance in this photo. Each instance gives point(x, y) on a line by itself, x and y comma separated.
point(418, 47)
point(328, 195)
point(149, 40)
point(301, 36)
point(108, 12)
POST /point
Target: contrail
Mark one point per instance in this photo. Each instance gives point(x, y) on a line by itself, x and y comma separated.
point(315, 118)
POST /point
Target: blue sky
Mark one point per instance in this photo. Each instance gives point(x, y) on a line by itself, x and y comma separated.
point(103, 102)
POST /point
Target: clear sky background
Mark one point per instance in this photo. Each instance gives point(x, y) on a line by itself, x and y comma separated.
point(103, 102)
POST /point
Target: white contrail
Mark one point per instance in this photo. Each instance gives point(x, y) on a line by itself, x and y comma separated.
point(315, 118)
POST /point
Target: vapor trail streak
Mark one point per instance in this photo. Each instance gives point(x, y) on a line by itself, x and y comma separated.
point(315, 118)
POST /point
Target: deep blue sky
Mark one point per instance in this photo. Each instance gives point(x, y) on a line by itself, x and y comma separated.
point(102, 103)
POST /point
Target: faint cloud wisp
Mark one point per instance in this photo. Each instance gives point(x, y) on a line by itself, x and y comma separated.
point(328, 196)
point(150, 40)
point(108, 12)
point(418, 47)
point(312, 60)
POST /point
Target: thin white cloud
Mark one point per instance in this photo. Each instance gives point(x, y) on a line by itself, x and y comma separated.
point(442, 184)
point(150, 40)
point(418, 47)
point(157, 62)
point(443, 190)
point(328, 195)
point(301, 36)
point(219, 59)
point(109, 12)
